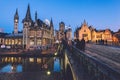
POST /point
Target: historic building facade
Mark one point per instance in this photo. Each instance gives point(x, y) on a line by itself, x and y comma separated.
point(116, 37)
point(63, 33)
point(36, 33)
point(91, 34)
point(14, 39)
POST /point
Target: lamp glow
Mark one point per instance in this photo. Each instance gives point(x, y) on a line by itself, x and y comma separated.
point(48, 72)
point(55, 53)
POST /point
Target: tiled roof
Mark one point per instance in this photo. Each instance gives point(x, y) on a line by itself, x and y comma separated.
point(15, 35)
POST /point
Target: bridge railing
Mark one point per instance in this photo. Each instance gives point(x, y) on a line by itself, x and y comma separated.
point(95, 68)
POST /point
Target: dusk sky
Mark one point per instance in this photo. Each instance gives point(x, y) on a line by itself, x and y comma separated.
point(101, 14)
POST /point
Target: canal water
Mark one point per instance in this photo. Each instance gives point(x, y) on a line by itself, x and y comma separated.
point(19, 67)
point(30, 69)
point(11, 68)
point(56, 65)
point(29, 65)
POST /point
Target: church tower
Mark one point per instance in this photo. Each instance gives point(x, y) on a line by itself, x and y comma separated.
point(52, 27)
point(16, 20)
point(52, 30)
point(61, 30)
point(27, 23)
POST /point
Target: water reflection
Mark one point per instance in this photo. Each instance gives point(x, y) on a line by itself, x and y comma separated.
point(11, 64)
point(12, 68)
point(56, 65)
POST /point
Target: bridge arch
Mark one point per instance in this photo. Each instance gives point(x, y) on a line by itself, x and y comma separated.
point(69, 75)
point(69, 72)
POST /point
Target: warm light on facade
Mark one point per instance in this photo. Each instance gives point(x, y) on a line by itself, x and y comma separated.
point(93, 35)
point(38, 60)
point(31, 59)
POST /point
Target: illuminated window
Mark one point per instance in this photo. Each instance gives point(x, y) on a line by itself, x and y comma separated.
point(31, 59)
point(19, 41)
point(32, 33)
point(16, 41)
point(38, 60)
point(31, 42)
point(84, 35)
point(38, 42)
point(99, 36)
point(9, 42)
point(12, 41)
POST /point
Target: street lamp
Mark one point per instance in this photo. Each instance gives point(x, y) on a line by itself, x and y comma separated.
point(55, 54)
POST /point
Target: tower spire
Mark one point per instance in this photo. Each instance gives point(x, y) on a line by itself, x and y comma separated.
point(28, 15)
point(16, 20)
point(51, 26)
point(84, 21)
point(16, 14)
point(36, 16)
point(51, 23)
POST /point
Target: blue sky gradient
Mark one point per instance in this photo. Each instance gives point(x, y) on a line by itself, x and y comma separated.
point(101, 14)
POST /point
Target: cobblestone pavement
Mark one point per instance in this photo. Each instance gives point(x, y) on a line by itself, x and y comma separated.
point(108, 55)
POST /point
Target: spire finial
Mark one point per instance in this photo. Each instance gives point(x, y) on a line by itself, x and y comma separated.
point(84, 21)
point(28, 15)
point(16, 14)
point(51, 22)
point(35, 15)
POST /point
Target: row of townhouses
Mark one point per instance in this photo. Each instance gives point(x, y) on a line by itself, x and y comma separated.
point(89, 33)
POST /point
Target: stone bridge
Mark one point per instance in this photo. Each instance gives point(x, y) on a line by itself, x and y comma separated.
point(79, 65)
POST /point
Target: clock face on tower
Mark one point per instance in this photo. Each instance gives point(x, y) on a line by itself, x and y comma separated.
point(16, 20)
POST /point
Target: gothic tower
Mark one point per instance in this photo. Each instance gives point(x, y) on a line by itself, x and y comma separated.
point(36, 16)
point(52, 30)
point(61, 30)
point(27, 23)
point(16, 20)
point(52, 27)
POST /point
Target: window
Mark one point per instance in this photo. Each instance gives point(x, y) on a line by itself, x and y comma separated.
point(39, 42)
point(32, 33)
point(84, 35)
point(31, 42)
point(99, 36)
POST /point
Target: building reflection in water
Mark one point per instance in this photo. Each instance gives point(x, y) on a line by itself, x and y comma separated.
point(18, 64)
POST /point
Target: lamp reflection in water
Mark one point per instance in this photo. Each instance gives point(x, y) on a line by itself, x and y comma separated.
point(48, 72)
point(13, 68)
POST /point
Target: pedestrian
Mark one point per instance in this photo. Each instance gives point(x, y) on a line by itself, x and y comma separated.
point(77, 43)
point(83, 44)
point(96, 41)
point(106, 41)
